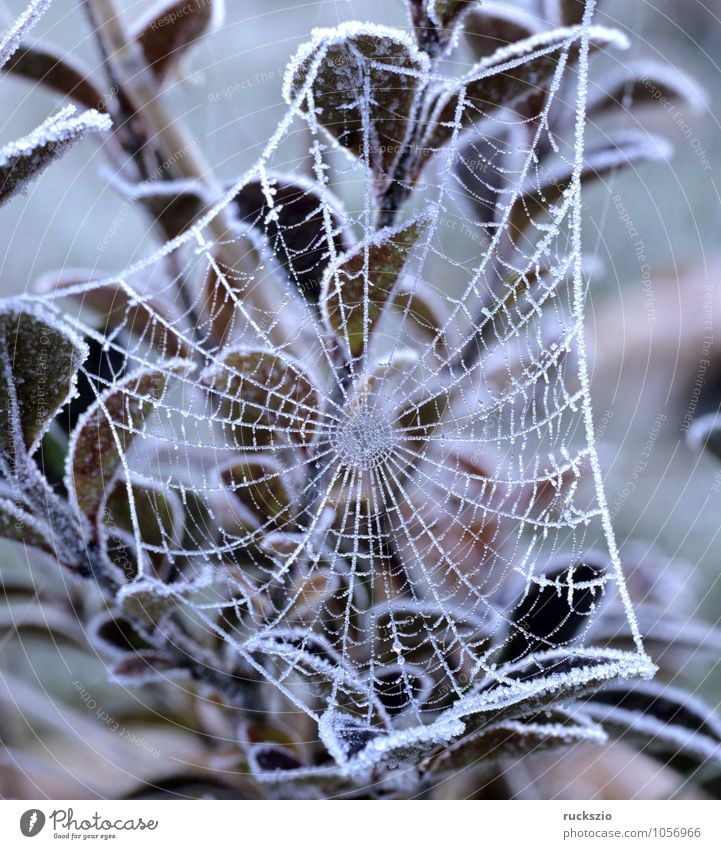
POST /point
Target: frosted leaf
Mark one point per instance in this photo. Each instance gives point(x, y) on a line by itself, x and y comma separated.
point(392, 506)
point(360, 81)
point(11, 40)
point(308, 229)
point(665, 719)
point(439, 22)
point(114, 635)
point(512, 75)
point(24, 159)
point(104, 434)
point(555, 608)
point(513, 739)
point(148, 318)
point(644, 82)
point(262, 486)
point(446, 13)
point(160, 518)
point(356, 288)
point(620, 148)
point(174, 204)
point(276, 761)
point(39, 359)
point(19, 525)
point(262, 394)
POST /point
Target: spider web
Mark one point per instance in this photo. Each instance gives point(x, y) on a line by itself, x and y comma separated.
point(372, 540)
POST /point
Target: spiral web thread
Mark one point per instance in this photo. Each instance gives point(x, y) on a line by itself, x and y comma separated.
point(370, 574)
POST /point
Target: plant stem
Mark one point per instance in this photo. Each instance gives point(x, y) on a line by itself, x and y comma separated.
point(177, 147)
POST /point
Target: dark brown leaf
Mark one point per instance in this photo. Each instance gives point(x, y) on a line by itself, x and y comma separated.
point(273, 759)
point(555, 609)
point(174, 205)
point(447, 13)
point(145, 667)
point(45, 64)
point(297, 234)
point(494, 25)
point(171, 29)
point(643, 83)
point(114, 635)
point(571, 12)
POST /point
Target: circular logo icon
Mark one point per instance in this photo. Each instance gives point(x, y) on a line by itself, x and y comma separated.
point(32, 822)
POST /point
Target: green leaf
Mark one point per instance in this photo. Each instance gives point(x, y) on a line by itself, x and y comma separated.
point(356, 290)
point(39, 361)
point(104, 435)
point(361, 81)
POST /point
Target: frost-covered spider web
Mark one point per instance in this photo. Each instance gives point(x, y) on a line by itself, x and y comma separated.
point(356, 447)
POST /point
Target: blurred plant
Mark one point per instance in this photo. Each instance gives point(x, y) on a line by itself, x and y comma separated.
point(374, 516)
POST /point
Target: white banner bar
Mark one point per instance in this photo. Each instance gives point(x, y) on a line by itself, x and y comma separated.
point(358, 825)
